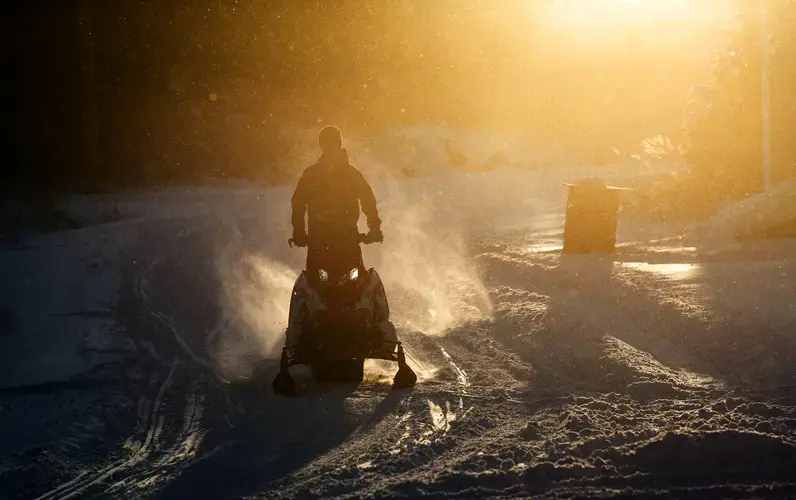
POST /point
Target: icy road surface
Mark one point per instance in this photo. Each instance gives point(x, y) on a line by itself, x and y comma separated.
point(128, 350)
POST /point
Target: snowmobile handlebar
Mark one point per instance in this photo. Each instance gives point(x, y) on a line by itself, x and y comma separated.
point(367, 238)
point(364, 238)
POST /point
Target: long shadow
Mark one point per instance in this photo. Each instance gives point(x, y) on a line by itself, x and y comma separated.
point(252, 438)
point(272, 437)
point(562, 349)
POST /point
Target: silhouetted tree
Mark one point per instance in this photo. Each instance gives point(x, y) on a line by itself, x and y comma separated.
point(726, 143)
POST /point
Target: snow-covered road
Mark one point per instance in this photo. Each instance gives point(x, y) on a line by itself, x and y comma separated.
point(657, 369)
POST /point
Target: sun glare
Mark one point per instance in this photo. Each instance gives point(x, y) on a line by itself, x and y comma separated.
point(612, 13)
point(605, 23)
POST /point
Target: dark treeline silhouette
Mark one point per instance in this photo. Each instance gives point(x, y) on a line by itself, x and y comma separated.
point(726, 143)
point(110, 94)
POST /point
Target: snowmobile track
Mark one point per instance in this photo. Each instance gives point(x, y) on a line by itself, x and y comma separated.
point(152, 426)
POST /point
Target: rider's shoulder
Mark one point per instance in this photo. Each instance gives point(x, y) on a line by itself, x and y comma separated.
point(319, 168)
point(312, 168)
point(352, 169)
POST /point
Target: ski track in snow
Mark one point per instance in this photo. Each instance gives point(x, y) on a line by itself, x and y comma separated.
point(590, 377)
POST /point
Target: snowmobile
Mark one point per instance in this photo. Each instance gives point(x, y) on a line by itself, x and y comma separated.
point(338, 318)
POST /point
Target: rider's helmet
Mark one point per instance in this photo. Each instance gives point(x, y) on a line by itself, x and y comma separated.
point(330, 139)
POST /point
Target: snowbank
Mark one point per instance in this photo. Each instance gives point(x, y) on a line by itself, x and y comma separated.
point(749, 218)
point(57, 292)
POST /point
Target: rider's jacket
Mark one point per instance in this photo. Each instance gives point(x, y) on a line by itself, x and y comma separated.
point(331, 192)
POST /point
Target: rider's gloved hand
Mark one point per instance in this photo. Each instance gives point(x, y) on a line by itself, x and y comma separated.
point(375, 235)
point(299, 239)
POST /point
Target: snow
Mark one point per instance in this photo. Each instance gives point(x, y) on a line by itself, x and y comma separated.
point(59, 290)
point(750, 217)
point(666, 367)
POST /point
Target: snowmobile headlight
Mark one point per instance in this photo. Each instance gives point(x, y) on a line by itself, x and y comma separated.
point(354, 274)
point(323, 275)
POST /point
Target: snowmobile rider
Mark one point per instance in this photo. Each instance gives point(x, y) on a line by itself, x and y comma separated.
point(331, 192)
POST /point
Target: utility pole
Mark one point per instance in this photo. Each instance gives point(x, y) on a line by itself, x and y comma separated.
point(766, 94)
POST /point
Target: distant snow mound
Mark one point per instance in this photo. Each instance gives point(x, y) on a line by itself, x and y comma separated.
point(751, 217)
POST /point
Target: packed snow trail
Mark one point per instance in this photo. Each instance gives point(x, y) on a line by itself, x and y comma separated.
point(654, 369)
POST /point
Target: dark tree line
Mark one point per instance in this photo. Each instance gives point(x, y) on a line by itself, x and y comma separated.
point(110, 94)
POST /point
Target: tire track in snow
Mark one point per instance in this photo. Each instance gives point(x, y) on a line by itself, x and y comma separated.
point(190, 433)
point(460, 374)
point(153, 426)
point(182, 448)
point(187, 440)
point(142, 292)
point(425, 425)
